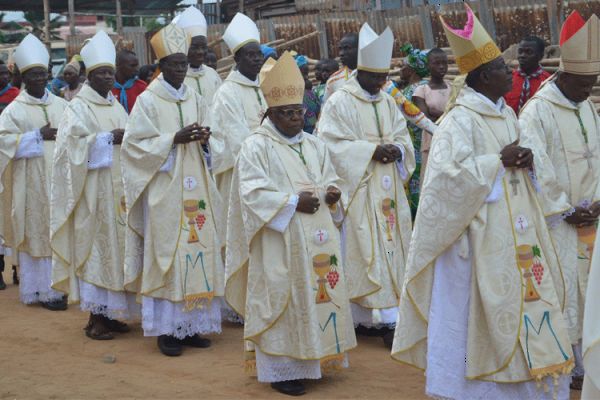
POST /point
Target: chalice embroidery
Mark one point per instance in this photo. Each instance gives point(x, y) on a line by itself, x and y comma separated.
point(388, 206)
point(529, 259)
point(586, 237)
point(324, 266)
point(193, 212)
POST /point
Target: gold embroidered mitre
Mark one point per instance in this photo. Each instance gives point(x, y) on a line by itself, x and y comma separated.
point(170, 40)
point(283, 83)
point(472, 46)
point(267, 66)
point(580, 45)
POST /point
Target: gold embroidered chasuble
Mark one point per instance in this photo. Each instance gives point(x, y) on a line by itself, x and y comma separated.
point(290, 286)
point(236, 112)
point(567, 154)
point(175, 225)
point(591, 333)
point(205, 81)
point(87, 206)
point(25, 182)
point(516, 330)
point(378, 220)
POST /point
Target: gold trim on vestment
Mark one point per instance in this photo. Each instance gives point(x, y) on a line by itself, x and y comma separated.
point(245, 42)
point(475, 58)
point(375, 70)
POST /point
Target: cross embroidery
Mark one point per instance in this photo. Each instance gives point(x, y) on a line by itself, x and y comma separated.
point(321, 235)
point(587, 155)
point(514, 181)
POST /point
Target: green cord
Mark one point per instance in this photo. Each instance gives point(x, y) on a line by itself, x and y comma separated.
point(45, 113)
point(198, 83)
point(583, 130)
point(258, 96)
point(377, 120)
point(300, 153)
point(180, 114)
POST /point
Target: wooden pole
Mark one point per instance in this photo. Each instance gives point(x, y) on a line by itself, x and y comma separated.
point(553, 20)
point(241, 6)
point(72, 17)
point(47, 24)
point(119, 17)
point(218, 11)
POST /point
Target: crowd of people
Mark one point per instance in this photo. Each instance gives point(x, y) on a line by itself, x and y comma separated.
point(454, 219)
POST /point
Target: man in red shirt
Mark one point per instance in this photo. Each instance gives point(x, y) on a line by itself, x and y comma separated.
point(127, 86)
point(7, 91)
point(530, 75)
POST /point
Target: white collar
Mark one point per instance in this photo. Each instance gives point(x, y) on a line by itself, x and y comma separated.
point(42, 100)
point(498, 106)
point(245, 78)
point(177, 94)
point(199, 69)
point(371, 97)
point(110, 97)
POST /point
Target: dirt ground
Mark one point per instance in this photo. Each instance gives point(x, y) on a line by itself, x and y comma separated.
point(45, 355)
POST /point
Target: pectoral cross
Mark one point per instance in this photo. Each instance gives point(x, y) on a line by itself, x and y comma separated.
point(514, 181)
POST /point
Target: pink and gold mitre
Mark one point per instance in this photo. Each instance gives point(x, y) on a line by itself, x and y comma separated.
point(170, 40)
point(472, 46)
point(283, 84)
point(580, 45)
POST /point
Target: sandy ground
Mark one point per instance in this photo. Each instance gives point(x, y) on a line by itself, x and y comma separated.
point(45, 355)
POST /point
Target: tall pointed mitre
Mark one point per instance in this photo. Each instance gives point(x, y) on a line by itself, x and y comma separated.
point(374, 51)
point(170, 40)
point(30, 53)
point(241, 31)
point(98, 52)
point(283, 84)
point(192, 21)
point(472, 46)
point(580, 45)
point(267, 66)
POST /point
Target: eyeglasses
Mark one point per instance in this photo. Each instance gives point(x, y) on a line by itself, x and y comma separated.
point(292, 112)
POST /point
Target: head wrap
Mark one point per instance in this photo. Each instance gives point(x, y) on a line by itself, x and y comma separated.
point(416, 59)
point(301, 60)
point(74, 65)
point(268, 51)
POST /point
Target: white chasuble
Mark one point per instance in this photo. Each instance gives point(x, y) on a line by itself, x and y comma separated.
point(204, 80)
point(565, 139)
point(591, 333)
point(378, 220)
point(289, 286)
point(87, 203)
point(25, 180)
point(516, 330)
point(236, 112)
point(175, 224)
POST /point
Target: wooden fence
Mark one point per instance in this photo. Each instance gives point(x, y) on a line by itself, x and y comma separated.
point(508, 21)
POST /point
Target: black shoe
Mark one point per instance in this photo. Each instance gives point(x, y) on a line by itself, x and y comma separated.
point(195, 341)
point(116, 326)
point(169, 346)
point(388, 339)
point(2, 284)
point(55, 305)
point(371, 332)
point(15, 275)
point(291, 388)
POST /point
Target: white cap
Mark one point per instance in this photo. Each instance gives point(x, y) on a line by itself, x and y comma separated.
point(98, 52)
point(192, 21)
point(374, 51)
point(241, 31)
point(30, 53)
